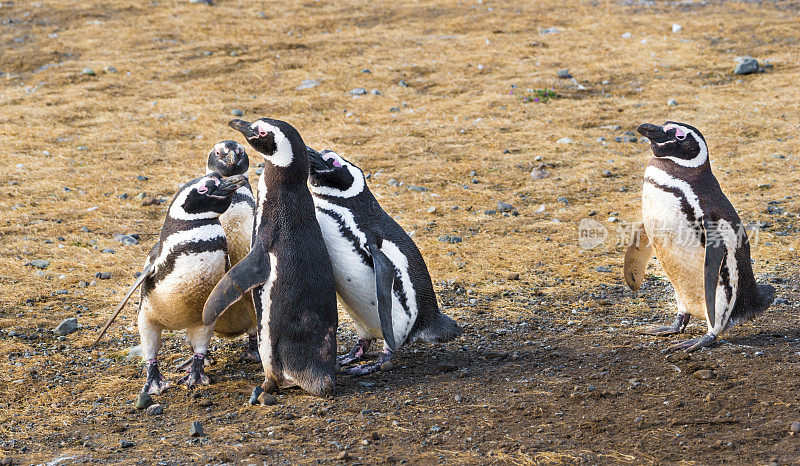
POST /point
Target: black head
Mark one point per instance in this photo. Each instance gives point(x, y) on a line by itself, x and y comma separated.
point(205, 197)
point(228, 158)
point(280, 145)
point(329, 173)
point(678, 142)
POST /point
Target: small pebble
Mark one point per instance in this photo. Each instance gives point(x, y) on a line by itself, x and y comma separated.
point(262, 15)
point(257, 391)
point(67, 327)
point(387, 366)
point(155, 410)
point(124, 443)
point(109, 70)
point(703, 374)
point(366, 70)
point(237, 112)
point(504, 207)
point(343, 456)
point(39, 263)
point(432, 209)
point(267, 399)
point(375, 92)
point(143, 401)
point(196, 429)
point(607, 174)
point(402, 83)
point(795, 429)
point(564, 74)
point(88, 71)
point(358, 91)
point(672, 102)
point(458, 399)
point(103, 275)
point(745, 65)
point(565, 141)
point(142, 178)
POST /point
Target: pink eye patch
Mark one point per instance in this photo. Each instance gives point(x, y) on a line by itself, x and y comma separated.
point(202, 190)
point(680, 133)
point(333, 161)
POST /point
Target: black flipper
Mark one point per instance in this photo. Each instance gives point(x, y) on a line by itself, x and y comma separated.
point(715, 253)
point(145, 273)
point(250, 272)
point(384, 283)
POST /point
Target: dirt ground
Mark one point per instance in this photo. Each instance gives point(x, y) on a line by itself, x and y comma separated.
point(550, 369)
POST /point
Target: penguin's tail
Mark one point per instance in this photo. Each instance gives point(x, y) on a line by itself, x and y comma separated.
point(439, 329)
point(766, 294)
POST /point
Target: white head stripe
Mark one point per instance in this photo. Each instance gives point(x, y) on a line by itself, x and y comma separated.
point(283, 154)
point(702, 155)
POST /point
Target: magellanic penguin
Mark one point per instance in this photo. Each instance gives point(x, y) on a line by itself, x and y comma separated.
point(381, 277)
point(288, 269)
point(697, 237)
point(229, 158)
point(180, 272)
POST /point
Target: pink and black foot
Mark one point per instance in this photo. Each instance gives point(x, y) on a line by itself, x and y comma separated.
point(678, 326)
point(187, 363)
point(155, 383)
point(252, 354)
point(689, 346)
point(356, 353)
point(196, 372)
point(369, 368)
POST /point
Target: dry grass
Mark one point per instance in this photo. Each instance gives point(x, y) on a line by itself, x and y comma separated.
point(169, 101)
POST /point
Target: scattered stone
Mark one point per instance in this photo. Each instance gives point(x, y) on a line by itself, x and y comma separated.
point(205, 403)
point(257, 391)
point(703, 374)
point(539, 174)
point(795, 429)
point(450, 239)
point(745, 65)
point(366, 70)
point(512, 276)
point(39, 263)
point(124, 443)
point(375, 92)
point(562, 199)
point(606, 174)
point(67, 326)
point(203, 2)
point(155, 410)
point(358, 91)
point(150, 200)
point(432, 209)
point(267, 399)
point(458, 399)
point(387, 366)
point(402, 83)
point(393, 182)
point(143, 401)
point(603, 269)
point(551, 31)
point(127, 240)
point(88, 71)
point(375, 436)
point(764, 186)
point(504, 207)
point(565, 141)
point(672, 103)
point(564, 74)
point(109, 70)
point(237, 112)
point(343, 456)
point(781, 301)
point(419, 189)
point(676, 28)
point(308, 83)
point(196, 429)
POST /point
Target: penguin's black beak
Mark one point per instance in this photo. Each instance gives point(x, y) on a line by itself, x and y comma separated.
point(244, 127)
point(229, 185)
point(316, 162)
point(653, 132)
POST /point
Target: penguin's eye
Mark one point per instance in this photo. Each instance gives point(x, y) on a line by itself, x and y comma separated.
point(202, 190)
point(680, 134)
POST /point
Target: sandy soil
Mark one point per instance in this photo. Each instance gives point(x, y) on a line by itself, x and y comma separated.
point(550, 368)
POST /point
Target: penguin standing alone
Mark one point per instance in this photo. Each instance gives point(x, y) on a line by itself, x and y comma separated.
point(180, 272)
point(288, 269)
point(697, 237)
point(229, 158)
point(381, 277)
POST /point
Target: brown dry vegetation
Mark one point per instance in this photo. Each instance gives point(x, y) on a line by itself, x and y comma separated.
point(550, 368)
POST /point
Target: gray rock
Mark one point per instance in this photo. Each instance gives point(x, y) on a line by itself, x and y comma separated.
point(393, 182)
point(537, 174)
point(795, 427)
point(237, 112)
point(432, 209)
point(203, 2)
point(745, 65)
point(88, 71)
point(375, 92)
point(39, 263)
point(358, 91)
point(606, 174)
point(196, 429)
point(124, 443)
point(67, 326)
point(259, 171)
point(672, 103)
point(108, 251)
point(562, 199)
point(603, 269)
point(565, 141)
point(419, 189)
point(142, 178)
point(366, 70)
point(155, 410)
point(103, 275)
point(402, 83)
point(458, 399)
point(308, 84)
point(564, 74)
point(551, 31)
point(257, 391)
point(504, 207)
point(127, 240)
point(109, 70)
point(781, 301)
point(262, 15)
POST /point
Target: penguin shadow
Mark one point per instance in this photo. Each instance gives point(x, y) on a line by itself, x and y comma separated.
point(765, 339)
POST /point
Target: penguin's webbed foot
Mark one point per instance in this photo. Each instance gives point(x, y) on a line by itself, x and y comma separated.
point(197, 374)
point(186, 363)
point(382, 364)
point(251, 354)
point(694, 344)
point(676, 327)
point(356, 353)
point(155, 383)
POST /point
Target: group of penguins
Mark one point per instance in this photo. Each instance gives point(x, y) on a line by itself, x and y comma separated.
point(272, 266)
